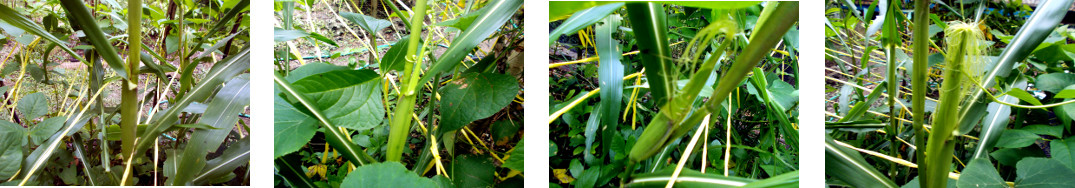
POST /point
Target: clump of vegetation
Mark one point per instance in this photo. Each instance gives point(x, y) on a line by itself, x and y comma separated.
point(376, 116)
point(694, 66)
point(124, 93)
point(986, 128)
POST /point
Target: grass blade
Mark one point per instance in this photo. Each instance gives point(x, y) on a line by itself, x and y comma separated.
point(238, 154)
point(484, 25)
point(220, 114)
point(610, 77)
point(581, 19)
point(221, 71)
point(650, 27)
point(79, 16)
point(849, 166)
point(9, 15)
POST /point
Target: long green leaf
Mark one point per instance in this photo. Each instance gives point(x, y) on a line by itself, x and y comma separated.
point(79, 16)
point(484, 25)
point(289, 168)
point(582, 19)
point(610, 77)
point(221, 115)
point(650, 28)
point(847, 165)
point(9, 15)
point(222, 71)
point(996, 122)
point(238, 154)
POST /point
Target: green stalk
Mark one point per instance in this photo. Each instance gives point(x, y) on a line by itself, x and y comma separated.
point(918, 80)
point(401, 122)
point(651, 30)
point(661, 128)
point(892, 38)
point(129, 104)
point(941, 139)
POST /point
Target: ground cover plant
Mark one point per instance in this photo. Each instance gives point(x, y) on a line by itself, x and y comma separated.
point(124, 93)
point(987, 86)
point(355, 105)
point(685, 94)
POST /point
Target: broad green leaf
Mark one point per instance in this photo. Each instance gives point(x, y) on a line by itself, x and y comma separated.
point(34, 162)
point(980, 173)
point(847, 165)
point(370, 24)
point(1011, 156)
point(1043, 172)
point(472, 171)
point(1054, 82)
point(1017, 138)
point(505, 129)
point(32, 106)
point(1065, 94)
point(1067, 109)
point(497, 12)
point(582, 19)
point(12, 139)
point(387, 174)
point(1063, 150)
point(292, 128)
point(461, 105)
point(349, 98)
point(1023, 95)
point(1045, 130)
point(515, 161)
point(333, 134)
point(588, 178)
point(45, 129)
point(915, 184)
point(396, 57)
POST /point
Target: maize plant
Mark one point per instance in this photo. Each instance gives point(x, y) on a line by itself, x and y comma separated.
point(124, 93)
point(686, 94)
point(391, 94)
point(988, 97)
